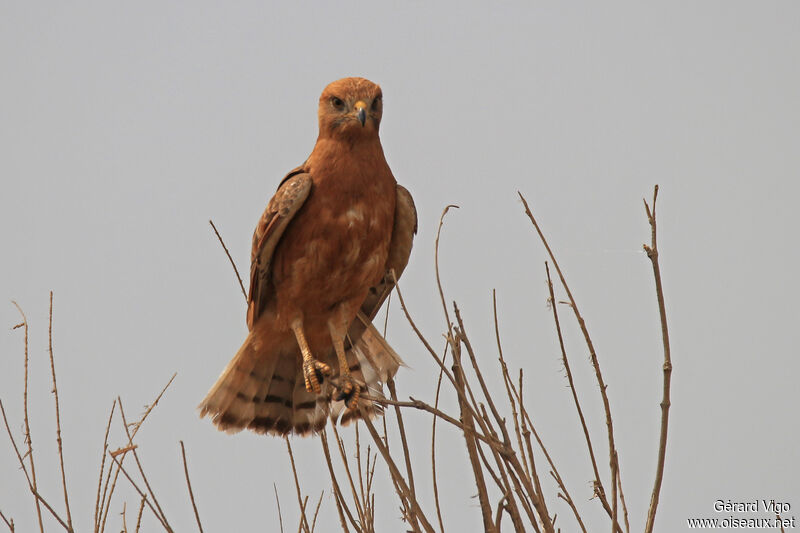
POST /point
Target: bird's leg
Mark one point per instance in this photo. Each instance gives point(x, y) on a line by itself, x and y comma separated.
point(314, 371)
point(349, 390)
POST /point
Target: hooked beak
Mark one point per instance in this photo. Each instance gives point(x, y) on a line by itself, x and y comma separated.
point(361, 112)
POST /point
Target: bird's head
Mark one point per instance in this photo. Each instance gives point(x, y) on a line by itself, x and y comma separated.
point(350, 108)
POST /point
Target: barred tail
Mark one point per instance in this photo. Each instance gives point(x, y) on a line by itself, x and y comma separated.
point(262, 389)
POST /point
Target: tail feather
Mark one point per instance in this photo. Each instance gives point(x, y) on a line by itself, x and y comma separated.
point(372, 362)
point(262, 388)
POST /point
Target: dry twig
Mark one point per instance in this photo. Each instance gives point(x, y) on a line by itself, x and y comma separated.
point(397, 476)
point(98, 501)
point(139, 514)
point(58, 412)
point(9, 522)
point(189, 485)
point(163, 517)
point(141, 494)
point(611, 509)
point(278, 501)
point(652, 253)
point(28, 440)
point(244, 292)
point(303, 519)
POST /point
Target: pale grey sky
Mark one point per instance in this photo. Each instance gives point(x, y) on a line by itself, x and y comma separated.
point(124, 127)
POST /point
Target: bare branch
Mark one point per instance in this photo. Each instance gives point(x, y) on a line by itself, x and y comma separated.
point(98, 504)
point(433, 445)
point(28, 440)
point(9, 522)
point(403, 440)
point(612, 449)
point(316, 511)
point(136, 428)
point(139, 514)
point(58, 413)
point(395, 472)
point(346, 463)
point(568, 370)
point(436, 263)
point(189, 485)
point(341, 505)
point(652, 253)
point(470, 440)
point(278, 501)
point(303, 519)
point(622, 500)
point(236, 270)
point(141, 494)
point(139, 465)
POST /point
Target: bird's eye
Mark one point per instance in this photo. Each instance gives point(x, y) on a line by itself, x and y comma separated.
point(337, 102)
point(376, 103)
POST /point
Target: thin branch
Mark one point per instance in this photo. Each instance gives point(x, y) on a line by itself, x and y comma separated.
point(521, 478)
point(403, 439)
point(360, 476)
point(341, 505)
point(124, 519)
point(14, 444)
point(316, 512)
point(396, 475)
point(499, 513)
point(565, 361)
point(9, 522)
point(444, 369)
point(236, 270)
point(303, 520)
point(139, 514)
point(467, 420)
point(110, 491)
point(141, 493)
point(652, 253)
point(346, 463)
point(278, 501)
point(511, 400)
point(436, 263)
point(502, 482)
point(622, 500)
point(189, 485)
point(136, 428)
point(528, 459)
point(612, 450)
point(98, 502)
point(527, 423)
point(58, 413)
point(139, 465)
point(151, 406)
point(433, 445)
point(28, 439)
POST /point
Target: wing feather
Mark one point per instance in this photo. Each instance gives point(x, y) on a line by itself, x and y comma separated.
point(405, 227)
point(289, 198)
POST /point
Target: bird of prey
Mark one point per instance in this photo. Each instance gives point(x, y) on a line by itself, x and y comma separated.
point(325, 255)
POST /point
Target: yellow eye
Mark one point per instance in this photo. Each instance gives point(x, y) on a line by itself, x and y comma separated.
point(337, 103)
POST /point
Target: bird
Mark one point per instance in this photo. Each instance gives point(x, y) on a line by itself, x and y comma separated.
point(326, 253)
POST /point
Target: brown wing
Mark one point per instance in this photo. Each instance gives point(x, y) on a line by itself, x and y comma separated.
point(290, 196)
point(405, 227)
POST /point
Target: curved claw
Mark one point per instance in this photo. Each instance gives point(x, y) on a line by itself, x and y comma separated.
point(314, 373)
point(349, 391)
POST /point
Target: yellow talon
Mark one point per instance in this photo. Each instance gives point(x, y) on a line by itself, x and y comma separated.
point(314, 373)
point(349, 391)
